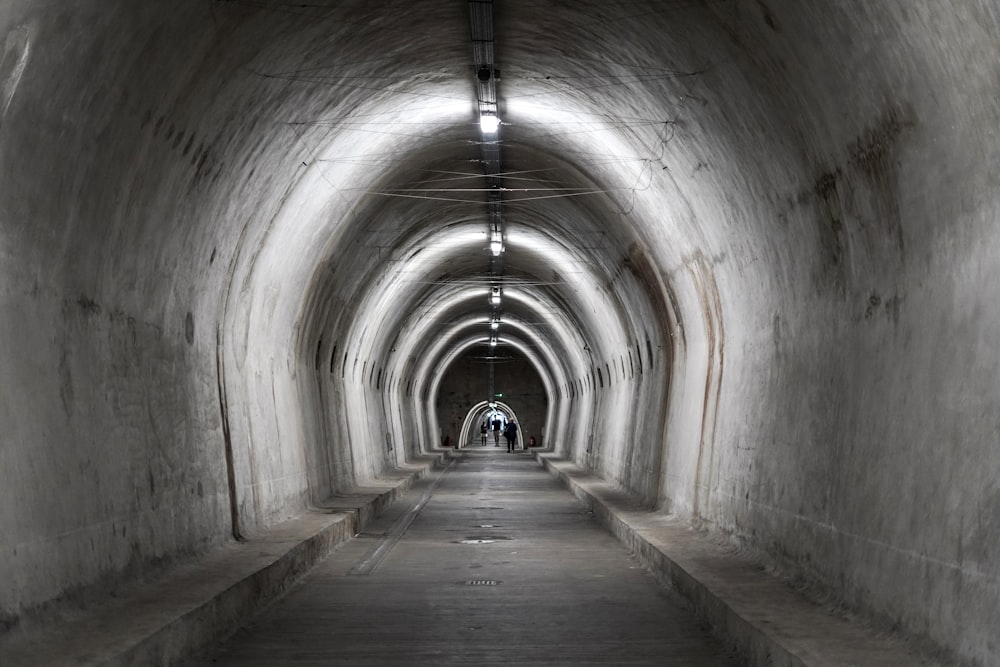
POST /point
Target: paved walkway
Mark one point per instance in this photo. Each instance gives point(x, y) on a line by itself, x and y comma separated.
point(490, 562)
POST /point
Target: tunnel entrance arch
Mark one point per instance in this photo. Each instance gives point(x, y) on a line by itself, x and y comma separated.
point(469, 435)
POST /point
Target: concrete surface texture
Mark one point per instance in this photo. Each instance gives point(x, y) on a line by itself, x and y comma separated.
point(750, 250)
point(500, 566)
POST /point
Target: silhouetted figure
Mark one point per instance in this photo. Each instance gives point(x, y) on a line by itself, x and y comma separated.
point(511, 435)
point(496, 431)
point(482, 432)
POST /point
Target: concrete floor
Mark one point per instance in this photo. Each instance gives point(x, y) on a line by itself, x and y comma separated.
point(491, 561)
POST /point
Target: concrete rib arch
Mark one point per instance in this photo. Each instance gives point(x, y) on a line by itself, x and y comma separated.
point(470, 429)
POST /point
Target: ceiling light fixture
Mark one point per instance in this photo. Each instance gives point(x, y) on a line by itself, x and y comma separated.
point(489, 123)
point(496, 244)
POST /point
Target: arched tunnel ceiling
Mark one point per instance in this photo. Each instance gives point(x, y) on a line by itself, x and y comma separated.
point(576, 166)
point(616, 149)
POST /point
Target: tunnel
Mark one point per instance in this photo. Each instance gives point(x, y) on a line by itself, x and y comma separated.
point(734, 259)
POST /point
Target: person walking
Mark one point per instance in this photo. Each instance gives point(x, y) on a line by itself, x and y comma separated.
point(496, 431)
point(511, 435)
point(482, 433)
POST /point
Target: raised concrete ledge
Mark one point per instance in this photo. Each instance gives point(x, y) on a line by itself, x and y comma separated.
point(757, 614)
point(164, 621)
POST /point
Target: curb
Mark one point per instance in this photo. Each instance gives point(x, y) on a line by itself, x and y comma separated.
point(754, 613)
point(200, 603)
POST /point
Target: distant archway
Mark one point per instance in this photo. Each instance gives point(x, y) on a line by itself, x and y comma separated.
point(469, 435)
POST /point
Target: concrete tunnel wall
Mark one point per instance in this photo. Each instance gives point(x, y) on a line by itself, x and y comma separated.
point(211, 324)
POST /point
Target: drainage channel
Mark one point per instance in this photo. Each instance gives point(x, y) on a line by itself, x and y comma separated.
point(370, 562)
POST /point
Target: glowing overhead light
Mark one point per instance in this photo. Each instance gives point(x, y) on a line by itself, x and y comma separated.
point(496, 243)
point(493, 341)
point(495, 296)
point(496, 247)
point(489, 123)
point(495, 323)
